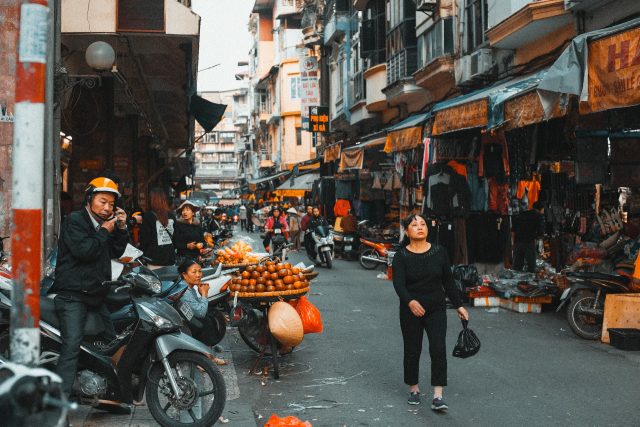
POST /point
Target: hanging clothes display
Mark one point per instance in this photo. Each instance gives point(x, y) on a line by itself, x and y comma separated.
point(494, 156)
point(446, 192)
point(342, 207)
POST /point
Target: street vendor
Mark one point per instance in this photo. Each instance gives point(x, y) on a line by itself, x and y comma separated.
point(275, 221)
point(196, 297)
point(188, 237)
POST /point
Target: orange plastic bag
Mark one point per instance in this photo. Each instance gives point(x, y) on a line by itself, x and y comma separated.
point(310, 315)
point(290, 421)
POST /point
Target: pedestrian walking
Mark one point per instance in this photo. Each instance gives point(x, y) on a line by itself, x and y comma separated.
point(250, 212)
point(157, 229)
point(294, 228)
point(527, 227)
point(422, 277)
point(242, 213)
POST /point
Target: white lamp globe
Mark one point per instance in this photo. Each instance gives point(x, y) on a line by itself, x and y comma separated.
point(100, 56)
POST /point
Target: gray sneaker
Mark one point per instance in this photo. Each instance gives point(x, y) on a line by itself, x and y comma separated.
point(439, 405)
point(414, 398)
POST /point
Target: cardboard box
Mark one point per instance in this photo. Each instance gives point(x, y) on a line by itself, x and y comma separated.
point(486, 302)
point(620, 311)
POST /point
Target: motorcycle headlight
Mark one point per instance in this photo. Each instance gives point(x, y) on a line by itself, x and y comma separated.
point(151, 282)
point(160, 322)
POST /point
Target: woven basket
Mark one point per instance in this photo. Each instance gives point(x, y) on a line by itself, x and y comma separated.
point(562, 282)
point(271, 294)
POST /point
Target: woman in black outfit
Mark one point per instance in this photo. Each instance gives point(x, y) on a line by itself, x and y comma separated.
point(156, 232)
point(422, 277)
point(189, 237)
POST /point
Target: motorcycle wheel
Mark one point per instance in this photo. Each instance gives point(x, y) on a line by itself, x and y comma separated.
point(327, 259)
point(584, 325)
point(366, 264)
point(209, 392)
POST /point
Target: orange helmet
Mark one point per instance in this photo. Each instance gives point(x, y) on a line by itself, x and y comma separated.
point(102, 185)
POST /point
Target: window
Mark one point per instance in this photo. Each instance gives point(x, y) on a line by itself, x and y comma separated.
point(295, 87)
point(436, 42)
point(373, 34)
point(476, 14)
point(298, 136)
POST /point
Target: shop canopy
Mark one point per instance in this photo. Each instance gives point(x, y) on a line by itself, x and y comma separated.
point(332, 152)
point(600, 67)
point(482, 108)
point(353, 157)
point(296, 187)
point(407, 134)
point(266, 181)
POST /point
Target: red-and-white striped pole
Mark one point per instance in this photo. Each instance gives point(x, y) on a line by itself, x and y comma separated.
point(28, 180)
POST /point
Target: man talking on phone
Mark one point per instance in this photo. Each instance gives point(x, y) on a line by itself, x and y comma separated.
point(89, 239)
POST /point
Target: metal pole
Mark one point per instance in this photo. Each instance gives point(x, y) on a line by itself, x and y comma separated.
point(52, 139)
point(28, 180)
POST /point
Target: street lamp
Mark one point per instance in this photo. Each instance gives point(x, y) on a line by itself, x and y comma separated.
point(100, 56)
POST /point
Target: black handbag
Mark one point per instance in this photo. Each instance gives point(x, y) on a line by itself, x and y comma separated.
point(468, 342)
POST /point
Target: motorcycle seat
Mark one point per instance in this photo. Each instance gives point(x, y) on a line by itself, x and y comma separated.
point(168, 273)
point(594, 275)
point(116, 300)
point(93, 325)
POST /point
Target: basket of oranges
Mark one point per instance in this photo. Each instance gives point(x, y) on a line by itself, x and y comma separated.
point(271, 279)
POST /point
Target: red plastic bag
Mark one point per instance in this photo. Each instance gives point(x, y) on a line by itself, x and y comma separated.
point(290, 421)
point(310, 315)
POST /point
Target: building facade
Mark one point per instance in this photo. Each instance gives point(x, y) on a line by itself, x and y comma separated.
point(219, 154)
point(275, 90)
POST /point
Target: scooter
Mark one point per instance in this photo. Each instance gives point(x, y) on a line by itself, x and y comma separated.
point(31, 396)
point(151, 358)
point(322, 240)
point(586, 296)
point(375, 253)
point(279, 247)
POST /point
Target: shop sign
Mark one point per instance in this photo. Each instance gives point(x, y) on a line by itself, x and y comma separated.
point(332, 153)
point(310, 89)
point(318, 119)
point(5, 115)
point(465, 116)
point(91, 164)
point(614, 72)
point(404, 139)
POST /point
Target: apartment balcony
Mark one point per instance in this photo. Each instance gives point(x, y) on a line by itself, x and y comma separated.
point(288, 7)
point(212, 173)
point(401, 86)
point(437, 77)
point(535, 21)
point(375, 80)
point(337, 20)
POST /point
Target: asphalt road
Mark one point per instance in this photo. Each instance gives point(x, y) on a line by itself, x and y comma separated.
point(531, 370)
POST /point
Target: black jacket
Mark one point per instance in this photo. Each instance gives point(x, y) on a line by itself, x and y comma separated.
point(164, 254)
point(187, 233)
point(84, 257)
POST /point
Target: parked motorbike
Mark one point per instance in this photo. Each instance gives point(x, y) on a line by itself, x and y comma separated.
point(31, 396)
point(150, 357)
point(375, 253)
point(586, 296)
point(322, 239)
point(347, 246)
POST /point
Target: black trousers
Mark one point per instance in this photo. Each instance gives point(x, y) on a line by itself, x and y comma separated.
point(524, 251)
point(435, 324)
point(72, 314)
point(243, 224)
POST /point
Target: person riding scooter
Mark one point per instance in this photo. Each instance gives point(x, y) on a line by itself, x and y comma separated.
point(315, 221)
point(276, 221)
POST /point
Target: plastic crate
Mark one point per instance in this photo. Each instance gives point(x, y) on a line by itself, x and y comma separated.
point(625, 338)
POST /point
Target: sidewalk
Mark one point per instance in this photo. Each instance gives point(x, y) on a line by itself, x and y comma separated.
point(237, 412)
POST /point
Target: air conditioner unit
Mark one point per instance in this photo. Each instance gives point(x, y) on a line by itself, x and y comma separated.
point(427, 5)
point(480, 63)
point(462, 70)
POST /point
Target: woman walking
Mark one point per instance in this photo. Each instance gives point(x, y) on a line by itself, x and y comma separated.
point(422, 277)
point(294, 228)
point(156, 232)
point(189, 238)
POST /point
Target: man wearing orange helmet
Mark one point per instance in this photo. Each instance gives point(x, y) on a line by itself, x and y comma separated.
point(89, 239)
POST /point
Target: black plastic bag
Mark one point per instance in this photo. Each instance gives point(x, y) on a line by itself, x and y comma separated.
point(467, 275)
point(468, 343)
